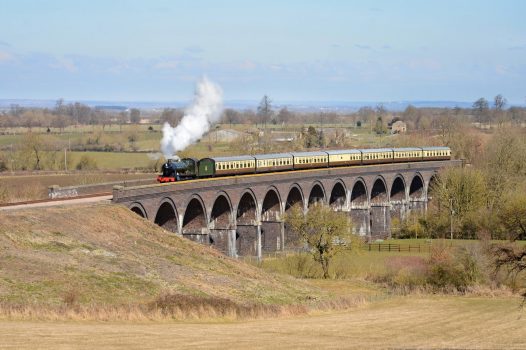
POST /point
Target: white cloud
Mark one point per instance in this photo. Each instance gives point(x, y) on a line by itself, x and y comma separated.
point(502, 69)
point(65, 64)
point(247, 65)
point(5, 56)
point(167, 65)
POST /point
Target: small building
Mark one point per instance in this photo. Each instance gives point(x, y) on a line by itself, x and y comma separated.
point(398, 127)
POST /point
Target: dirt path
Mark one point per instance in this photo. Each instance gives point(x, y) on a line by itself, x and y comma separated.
point(430, 322)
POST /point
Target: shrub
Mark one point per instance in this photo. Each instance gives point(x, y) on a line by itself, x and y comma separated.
point(404, 273)
point(71, 297)
point(3, 165)
point(456, 268)
point(86, 163)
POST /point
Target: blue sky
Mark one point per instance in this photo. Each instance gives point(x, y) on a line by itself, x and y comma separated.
point(291, 50)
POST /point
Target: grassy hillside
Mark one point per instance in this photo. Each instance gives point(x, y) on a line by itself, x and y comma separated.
point(106, 255)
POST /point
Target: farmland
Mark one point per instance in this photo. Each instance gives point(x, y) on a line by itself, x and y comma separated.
point(416, 322)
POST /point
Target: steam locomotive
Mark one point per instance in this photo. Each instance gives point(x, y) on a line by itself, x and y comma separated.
point(191, 168)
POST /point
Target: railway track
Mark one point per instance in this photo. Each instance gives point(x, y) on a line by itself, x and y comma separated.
point(57, 201)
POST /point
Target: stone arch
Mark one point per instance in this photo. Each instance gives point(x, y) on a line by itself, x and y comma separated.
point(138, 209)
point(379, 213)
point(294, 197)
point(166, 216)
point(379, 191)
point(194, 220)
point(271, 225)
point(271, 205)
point(398, 189)
point(359, 193)
point(338, 197)
point(317, 194)
point(431, 183)
point(416, 189)
point(221, 214)
point(246, 212)
point(246, 225)
point(360, 207)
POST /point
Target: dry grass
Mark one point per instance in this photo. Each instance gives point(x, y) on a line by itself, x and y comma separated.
point(93, 256)
point(421, 322)
point(173, 307)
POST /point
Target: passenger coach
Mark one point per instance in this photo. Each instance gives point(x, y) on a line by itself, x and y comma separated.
point(345, 157)
point(274, 162)
point(189, 168)
point(310, 160)
point(221, 166)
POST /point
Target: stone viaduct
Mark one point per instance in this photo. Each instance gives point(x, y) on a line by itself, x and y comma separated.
point(243, 215)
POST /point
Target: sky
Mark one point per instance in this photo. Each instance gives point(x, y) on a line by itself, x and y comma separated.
point(156, 50)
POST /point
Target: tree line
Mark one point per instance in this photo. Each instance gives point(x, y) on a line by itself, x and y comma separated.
point(377, 118)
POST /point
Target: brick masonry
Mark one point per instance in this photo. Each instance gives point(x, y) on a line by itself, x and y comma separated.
point(242, 215)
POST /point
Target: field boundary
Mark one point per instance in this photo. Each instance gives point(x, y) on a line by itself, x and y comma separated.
point(397, 247)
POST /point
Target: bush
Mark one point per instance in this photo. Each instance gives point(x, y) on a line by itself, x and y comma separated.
point(3, 165)
point(456, 268)
point(447, 269)
point(86, 163)
point(404, 273)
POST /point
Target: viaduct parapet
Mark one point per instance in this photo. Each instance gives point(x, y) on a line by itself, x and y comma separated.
point(243, 215)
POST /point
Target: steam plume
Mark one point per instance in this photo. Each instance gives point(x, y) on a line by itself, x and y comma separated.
point(205, 109)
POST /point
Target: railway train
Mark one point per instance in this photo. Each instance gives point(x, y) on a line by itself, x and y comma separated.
point(191, 168)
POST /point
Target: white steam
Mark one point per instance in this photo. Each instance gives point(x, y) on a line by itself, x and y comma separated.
point(205, 109)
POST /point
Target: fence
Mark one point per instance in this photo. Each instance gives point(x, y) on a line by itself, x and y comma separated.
point(395, 247)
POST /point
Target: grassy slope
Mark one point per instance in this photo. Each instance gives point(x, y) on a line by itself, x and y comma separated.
point(107, 255)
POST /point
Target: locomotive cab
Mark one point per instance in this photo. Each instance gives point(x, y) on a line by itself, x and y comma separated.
point(174, 170)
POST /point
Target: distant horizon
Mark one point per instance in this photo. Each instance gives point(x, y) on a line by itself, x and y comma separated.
point(378, 50)
point(252, 104)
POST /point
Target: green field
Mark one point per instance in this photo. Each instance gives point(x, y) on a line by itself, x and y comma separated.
point(116, 160)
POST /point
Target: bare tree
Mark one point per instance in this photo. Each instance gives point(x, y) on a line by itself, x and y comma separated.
point(481, 108)
point(499, 102)
point(513, 258)
point(284, 116)
point(231, 116)
point(325, 231)
point(367, 115)
point(135, 116)
point(500, 115)
point(265, 110)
